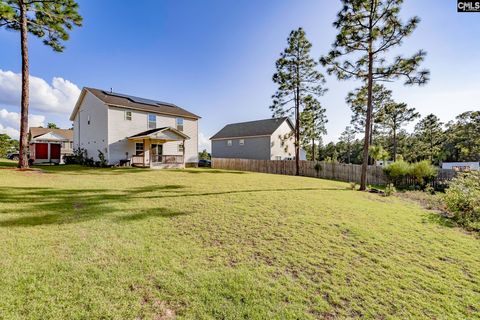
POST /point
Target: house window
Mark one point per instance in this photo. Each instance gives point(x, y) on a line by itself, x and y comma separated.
point(128, 115)
point(278, 157)
point(180, 124)
point(229, 143)
point(138, 148)
point(241, 142)
point(272, 143)
point(152, 121)
point(88, 119)
point(180, 147)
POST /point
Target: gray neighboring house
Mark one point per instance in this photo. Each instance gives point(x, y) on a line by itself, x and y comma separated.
point(261, 140)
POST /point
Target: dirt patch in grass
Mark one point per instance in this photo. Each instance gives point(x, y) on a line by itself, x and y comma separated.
point(428, 201)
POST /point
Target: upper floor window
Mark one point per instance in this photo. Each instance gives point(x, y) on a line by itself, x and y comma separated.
point(241, 142)
point(180, 124)
point(128, 115)
point(180, 147)
point(229, 143)
point(88, 119)
point(152, 121)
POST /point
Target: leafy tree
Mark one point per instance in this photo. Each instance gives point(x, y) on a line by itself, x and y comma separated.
point(48, 20)
point(429, 134)
point(52, 125)
point(462, 137)
point(378, 153)
point(204, 155)
point(296, 77)
point(312, 123)
point(393, 116)
point(7, 145)
point(368, 30)
point(347, 137)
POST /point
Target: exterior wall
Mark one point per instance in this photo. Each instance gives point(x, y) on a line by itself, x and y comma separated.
point(93, 136)
point(254, 148)
point(277, 145)
point(120, 129)
point(460, 166)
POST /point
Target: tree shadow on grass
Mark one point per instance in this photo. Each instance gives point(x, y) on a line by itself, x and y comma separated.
point(64, 206)
point(206, 170)
point(151, 213)
point(4, 163)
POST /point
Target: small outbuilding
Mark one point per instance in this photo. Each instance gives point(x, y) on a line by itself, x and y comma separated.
point(46, 148)
point(461, 166)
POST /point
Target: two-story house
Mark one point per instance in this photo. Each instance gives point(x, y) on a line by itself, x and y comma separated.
point(129, 129)
point(268, 139)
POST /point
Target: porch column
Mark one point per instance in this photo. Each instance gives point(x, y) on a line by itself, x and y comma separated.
point(183, 152)
point(144, 151)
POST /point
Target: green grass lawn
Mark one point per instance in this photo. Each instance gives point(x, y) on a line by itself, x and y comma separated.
point(80, 243)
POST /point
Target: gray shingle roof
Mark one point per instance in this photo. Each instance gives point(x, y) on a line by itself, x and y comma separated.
point(251, 128)
point(132, 102)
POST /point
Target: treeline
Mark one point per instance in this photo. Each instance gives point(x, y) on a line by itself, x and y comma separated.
point(457, 140)
point(367, 30)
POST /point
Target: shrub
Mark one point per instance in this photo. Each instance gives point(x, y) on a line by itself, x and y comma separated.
point(462, 198)
point(78, 157)
point(353, 185)
point(397, 171)
point(389, 190)
point(103, 162)
point(423, 172)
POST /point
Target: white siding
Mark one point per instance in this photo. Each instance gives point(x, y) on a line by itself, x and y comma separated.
point(91, 137)
point(277, 146)
point(120, 129)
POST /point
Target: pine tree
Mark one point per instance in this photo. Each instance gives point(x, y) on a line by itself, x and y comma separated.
point(347, 137)
point(48, 20)
point(312, 123)
point(429, 134)
point(358, 100)
point(368, 29)
point(296, 77)
point(393, 116)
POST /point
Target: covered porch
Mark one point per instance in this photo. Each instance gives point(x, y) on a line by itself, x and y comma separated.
point(152, 153)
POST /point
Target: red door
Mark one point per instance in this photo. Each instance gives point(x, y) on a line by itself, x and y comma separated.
point(41, 150)
point(54, 152)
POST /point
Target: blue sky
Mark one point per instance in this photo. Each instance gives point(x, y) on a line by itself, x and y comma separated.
point(216, 57)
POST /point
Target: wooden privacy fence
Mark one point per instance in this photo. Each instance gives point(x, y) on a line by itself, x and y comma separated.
point(317, 169)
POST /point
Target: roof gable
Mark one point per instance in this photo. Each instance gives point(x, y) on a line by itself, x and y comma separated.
point(50, 136)
point(65, 134)
point(164, 133)
point(265, 127)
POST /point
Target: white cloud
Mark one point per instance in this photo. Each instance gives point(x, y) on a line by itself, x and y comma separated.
point(59, 97)
point(203, 143)
point(10, 122)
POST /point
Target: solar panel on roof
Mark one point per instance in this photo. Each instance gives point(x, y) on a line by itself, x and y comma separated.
point(140, 100)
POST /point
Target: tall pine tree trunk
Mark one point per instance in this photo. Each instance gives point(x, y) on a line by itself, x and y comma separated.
point(313, 149)
point(23, 161)
point(366, 143)
point(394, 145)
point(297, 123)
